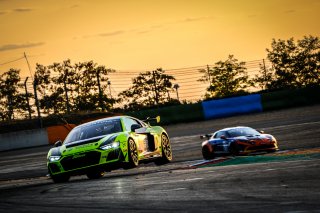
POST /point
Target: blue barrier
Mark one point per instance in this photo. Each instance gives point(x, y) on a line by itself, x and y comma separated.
point(232, 106)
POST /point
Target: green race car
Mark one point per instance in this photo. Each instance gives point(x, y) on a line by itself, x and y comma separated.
point(107, 144)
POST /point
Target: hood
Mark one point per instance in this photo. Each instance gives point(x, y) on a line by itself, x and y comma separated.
point(80, 146)
point(257, 138)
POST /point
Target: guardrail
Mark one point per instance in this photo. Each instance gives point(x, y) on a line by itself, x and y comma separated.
point(233, 106)
point(33, 138)
point(290, 98)
point(178, 114)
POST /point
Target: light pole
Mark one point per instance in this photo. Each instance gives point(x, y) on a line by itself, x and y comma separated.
point(27, 98)
point(176, 86)
point(109, 85)
point(35, 84)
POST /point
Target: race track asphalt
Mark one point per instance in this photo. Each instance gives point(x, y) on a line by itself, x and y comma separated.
point(287, 181)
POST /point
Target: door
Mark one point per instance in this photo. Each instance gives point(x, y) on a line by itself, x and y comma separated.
point(139, 136)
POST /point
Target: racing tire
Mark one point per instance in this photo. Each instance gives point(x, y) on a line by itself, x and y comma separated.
point(60, 178)
point(207, 155)
point(166, 152)
point(95, 174)
point(133, 155)
point(234, 149)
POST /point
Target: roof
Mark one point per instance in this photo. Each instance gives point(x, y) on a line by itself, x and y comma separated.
point(236, 127)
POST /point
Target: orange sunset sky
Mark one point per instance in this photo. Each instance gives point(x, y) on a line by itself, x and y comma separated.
point(146, 34)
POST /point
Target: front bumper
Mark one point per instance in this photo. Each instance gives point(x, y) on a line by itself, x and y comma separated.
point(81, 162)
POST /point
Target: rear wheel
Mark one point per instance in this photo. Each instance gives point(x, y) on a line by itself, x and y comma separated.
point(95, 174)
point(60, 178)
point(165, 151)
point(133, 155)
point(207, 155)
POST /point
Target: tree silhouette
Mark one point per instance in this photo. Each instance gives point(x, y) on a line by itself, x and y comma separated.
point(80, 87)
point(265, 77)
point(148, 89)
point(43, 82)
point(92, 84)
point(10, 98)
point(226, 78)
point(64, 81)
point(295, 64)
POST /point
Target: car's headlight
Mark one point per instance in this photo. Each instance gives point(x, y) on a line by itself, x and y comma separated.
point(113, 145)
point(54, 158)
point(272, 139)
point(110, 143)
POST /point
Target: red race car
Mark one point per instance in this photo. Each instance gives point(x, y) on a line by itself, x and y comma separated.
point(237, 140)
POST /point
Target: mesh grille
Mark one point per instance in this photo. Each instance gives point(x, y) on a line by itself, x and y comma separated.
point(113, 155)
point(261, 147)
point(80, 160)
point(54, 168)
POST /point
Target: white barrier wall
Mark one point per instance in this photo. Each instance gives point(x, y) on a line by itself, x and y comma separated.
point(23, 139)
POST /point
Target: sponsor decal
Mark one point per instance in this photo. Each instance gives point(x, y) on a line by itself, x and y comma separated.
point(78, 156)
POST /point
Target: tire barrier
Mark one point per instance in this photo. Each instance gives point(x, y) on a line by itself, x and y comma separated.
point(232, 106)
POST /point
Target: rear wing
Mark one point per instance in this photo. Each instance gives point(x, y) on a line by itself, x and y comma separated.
point(157, 119)
point(207, 136)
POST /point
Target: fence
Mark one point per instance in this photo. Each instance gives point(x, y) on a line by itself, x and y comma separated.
point(189, 89)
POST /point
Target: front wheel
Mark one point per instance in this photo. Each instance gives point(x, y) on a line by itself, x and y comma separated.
point(207, 155)
point(166, 151)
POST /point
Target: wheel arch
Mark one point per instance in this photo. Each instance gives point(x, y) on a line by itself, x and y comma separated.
point(160, 138)
point(165, 133)
point(208, 146)
point(126, 159)
point(207, 151)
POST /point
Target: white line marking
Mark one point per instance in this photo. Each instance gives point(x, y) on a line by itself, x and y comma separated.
point(177, 181)
point(170, 190)
point(268, 170)
point(291, 125)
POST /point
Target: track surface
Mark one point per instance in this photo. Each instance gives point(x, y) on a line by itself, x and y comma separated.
point(280, 186)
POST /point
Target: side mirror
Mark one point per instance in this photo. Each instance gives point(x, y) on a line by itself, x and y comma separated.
point(261, 131)
point(223, 137)
point(58, 143)
point(134, 127)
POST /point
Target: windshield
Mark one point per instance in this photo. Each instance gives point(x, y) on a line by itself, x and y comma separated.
point(242, 132)
point(94, 129)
